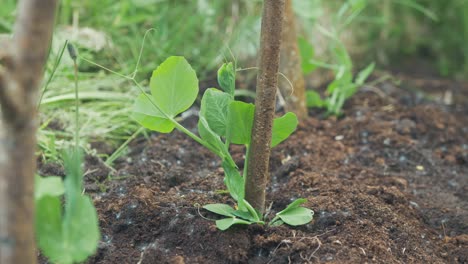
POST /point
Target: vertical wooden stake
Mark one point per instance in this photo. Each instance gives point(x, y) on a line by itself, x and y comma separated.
point(22, 60)
point(267, 83)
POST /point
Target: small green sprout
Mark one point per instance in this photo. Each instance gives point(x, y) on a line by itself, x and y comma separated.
point(222, 121)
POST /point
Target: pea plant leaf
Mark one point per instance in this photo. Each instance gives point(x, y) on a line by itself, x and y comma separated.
point(214, 107)
point(314, 100)
point(70, 235)
point(283, 127)
point(221, 209)
point(227, 78)
point(293, 214)
point(174, 88)
point(234, 182)
point(240, 120)
point(307, 54)
point(226, 223)
point(48, 186)
point(145, 113)
point(297, 216)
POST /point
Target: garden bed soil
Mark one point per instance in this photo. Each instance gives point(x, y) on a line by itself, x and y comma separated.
point(388, 183)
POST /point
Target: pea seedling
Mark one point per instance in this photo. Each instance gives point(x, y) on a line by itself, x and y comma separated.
point(222, 121)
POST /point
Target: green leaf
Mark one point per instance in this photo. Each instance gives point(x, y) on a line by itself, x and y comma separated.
point(296, 203)
point(214, 107)
point(174, 86)
point(81, 230)
point(297, 216)
point(211, 137)
point(307, 54)
point(314, 99)
point(364, 74)
point(48, 186)
point(147, 115)
point(283, 127)
point(240, 121)
point(227, 78)
point(221, 209)
point(48, 227)
point(226, 223)
point(71, 239)
point(234, 181)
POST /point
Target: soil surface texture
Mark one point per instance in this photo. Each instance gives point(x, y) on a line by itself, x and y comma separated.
point(388, 182)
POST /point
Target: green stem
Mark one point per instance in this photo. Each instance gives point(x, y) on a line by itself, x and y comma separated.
point(246, 160)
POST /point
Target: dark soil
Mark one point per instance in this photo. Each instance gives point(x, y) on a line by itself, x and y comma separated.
point(388, 183)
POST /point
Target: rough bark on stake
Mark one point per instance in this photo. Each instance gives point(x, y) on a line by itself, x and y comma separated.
point(267, 82)
point(293, 89)
point(22, 60)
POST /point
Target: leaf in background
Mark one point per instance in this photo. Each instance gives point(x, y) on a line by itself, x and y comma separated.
point(314, 100)
point(364, 74)
point(48, 226)
point(221, 209)
point(283, 127)
point(214, 107)
point(240, 121)
point(81, 230)
point(225, 223)
point(48, 186)
point(307, 54)
point(227, 78)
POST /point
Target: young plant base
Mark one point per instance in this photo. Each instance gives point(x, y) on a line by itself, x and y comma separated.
point(222, 121)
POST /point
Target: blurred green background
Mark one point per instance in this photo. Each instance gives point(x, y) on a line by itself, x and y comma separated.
point(208, 32)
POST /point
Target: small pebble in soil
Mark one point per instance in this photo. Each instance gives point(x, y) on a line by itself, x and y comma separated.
point(402, 159)
point(121, 191)
point(387, 142)
point(414, 204)
point(339, 137)
point(453, 184)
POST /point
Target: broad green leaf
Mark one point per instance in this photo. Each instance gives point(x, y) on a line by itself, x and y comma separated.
point(221, 209)
point(147, 115)
point(234, 181)
point(48, 186)
point(81, 229)
point(296, 203)
point(240, 121)
point(174, 86)
point(297, 216)
point(283, 127)
point(245, 215)
point(48, 226)
point(314, 100)
point(70, 239)
point(227, 78)
point(364, 74)
point(214, 107)
point(226, 223)
point(307, 54)
point(211, 137)
point(276, 222)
